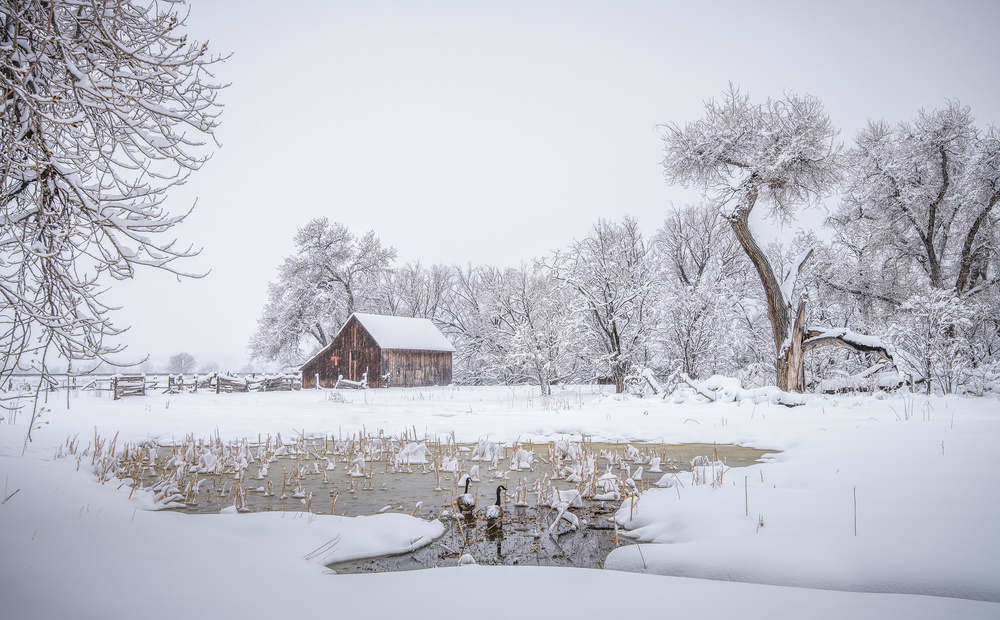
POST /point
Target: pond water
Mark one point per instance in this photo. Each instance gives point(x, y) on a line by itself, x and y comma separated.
point(368, 475)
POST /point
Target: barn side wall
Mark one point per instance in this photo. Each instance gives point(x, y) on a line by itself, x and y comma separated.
point(416, 368)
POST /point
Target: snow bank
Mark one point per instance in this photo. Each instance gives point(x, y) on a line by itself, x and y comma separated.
point(381, 534)
point(925, 512)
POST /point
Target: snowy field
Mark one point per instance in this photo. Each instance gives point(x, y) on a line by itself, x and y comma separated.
point(874, 508)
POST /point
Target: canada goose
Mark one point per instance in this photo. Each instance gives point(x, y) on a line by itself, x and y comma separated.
point(466, 502)
point(495, 512)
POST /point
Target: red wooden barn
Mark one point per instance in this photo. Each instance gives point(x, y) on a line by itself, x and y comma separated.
point(392, 351)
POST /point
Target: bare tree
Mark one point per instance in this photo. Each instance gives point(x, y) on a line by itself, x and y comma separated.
point(181, 364)
point(781, 154)
point(612, 273)
point(541, 331)
point(104, 108)
point(708, 313)
point(465, 318)
point(416, 291)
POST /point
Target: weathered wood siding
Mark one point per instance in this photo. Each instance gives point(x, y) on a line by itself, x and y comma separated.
point(352, 353)
point(407, 368)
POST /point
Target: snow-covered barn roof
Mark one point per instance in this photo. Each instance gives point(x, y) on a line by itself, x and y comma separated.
point(397, 332)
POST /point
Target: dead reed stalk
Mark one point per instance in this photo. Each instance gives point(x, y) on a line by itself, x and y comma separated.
point(458, 519)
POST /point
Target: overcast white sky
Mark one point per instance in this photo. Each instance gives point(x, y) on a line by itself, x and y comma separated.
point(493, 132)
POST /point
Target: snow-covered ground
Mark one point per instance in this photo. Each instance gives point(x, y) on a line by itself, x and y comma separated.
point(875, 508)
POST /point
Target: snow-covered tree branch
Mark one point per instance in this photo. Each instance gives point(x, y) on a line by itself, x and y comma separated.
point(104, 106)
point(927, 191)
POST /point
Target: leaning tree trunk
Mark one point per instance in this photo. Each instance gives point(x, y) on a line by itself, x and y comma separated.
point(788, 336)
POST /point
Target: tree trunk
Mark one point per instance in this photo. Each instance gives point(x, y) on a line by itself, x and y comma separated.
point(618, 374)
point(791, 359)
point(544, 383)
point(787, 337)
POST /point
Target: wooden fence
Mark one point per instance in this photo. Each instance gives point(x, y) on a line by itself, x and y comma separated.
point(121, 386)
point(128, 385)
point(218, 383)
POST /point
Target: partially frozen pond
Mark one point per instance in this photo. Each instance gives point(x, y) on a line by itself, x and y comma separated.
point(557, 505)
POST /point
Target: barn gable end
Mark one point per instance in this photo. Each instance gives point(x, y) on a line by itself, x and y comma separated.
point(393, 351)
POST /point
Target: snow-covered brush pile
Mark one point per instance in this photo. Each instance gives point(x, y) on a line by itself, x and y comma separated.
point(727, 389)
point(873, 380)
point(642, 382)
